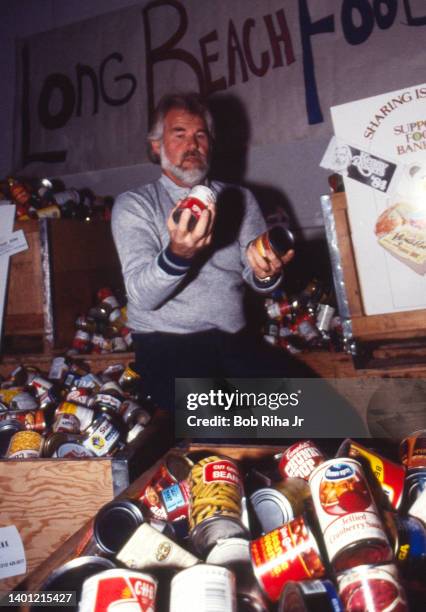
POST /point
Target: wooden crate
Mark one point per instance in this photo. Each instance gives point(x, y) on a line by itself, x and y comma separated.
point(392, 340)
point(24, 316)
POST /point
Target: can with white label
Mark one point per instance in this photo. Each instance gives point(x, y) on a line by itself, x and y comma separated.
point(203, 588)
point(120, 590)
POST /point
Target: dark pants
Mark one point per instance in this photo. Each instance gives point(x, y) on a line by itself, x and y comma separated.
point(161, 357)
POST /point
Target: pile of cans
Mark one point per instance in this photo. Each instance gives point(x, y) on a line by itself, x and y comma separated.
point(70, 412)
point(104, 328)
point(42, 198)
point(303, 321)
point(293, 532)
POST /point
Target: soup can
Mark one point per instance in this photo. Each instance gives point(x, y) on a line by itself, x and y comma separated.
point(120, 590)
point(300, 459)
point(203, 588)
point(216, 507)
point(288, 553)
point(390, 475)
point(372, 588)
point(25, 445)
point(198, 199)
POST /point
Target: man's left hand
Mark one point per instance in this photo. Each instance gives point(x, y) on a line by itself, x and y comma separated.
point(268, 266)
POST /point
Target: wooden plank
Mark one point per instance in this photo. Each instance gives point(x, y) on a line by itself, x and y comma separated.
point(49, 500)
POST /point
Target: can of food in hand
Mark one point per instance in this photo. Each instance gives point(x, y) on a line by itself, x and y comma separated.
point(372, 588)
point(300, 459)
point(216, 508)
point(349, 520)
point(119, 589)
point(412, 450)
point(278, 239)
point(198, 199)
point(287, 553)
point(25, 445)
point(390, 475)
point(202, 588)
point(310, 596)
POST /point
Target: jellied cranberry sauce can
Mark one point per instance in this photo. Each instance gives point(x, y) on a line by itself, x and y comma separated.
point(347, 514)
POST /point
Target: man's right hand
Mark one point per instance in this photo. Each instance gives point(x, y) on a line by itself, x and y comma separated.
point(185, 243)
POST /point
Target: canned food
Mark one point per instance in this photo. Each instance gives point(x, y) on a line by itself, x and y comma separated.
point(129, 379)
point(271, 509)
point(216, 508)
point(408, 536)
point(34, 420)
point(176, 500)
point(23, 402)
point(310, 596)
point(54, 440)
point(147, 547)
point(103, 435)
point(83, 414)
point(229, 552)
point(349, 520)
point(125, 514)
point(203, 588)
point(288, 553)
point(415, 484)
point(8, 428)
point(390, 475)
point(67, 423)
point(372, 588)
point(119, 589)
point(80, 396)
point(132, 412)
point(25, 445)
point(412, 450)
point(300, 459)
point(72, 450)
point(198, 199)
point(278, 239)
point(418, 509)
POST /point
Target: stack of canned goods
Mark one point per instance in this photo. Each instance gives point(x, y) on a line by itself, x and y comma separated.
point(103, 329)
point(296, 532)
point(70, 412)
point(43, 198)
point(307, 320)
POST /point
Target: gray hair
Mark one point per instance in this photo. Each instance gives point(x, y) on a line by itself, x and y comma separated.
point(190, 102)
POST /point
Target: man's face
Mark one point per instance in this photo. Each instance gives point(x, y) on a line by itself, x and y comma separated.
point(184, 149)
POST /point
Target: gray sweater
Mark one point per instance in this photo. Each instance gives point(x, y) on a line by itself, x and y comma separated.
point(168, 293)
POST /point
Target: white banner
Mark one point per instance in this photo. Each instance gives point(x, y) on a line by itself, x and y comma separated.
point(85, 91)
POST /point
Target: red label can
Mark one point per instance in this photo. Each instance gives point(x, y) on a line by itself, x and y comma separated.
point(121, 589)
point(300, 459)
point(198, 199)
point(287, 553)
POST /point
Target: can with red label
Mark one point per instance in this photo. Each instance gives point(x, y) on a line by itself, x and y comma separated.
point(412, 450)
point(348, 517)
point(198, 199)
point(372, 588)
point(176, 500)
point(216, 508)
point(300, 459)
point(119, 589)
point(278, 239)
point(390, 475)
point(287, 553)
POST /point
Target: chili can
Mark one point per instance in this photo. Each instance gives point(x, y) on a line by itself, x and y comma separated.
point(119, 588)
point(202, 588)
point(288, 553)
point(372, 588)
point(390, 475)
point(300, 459)
point(348, 517)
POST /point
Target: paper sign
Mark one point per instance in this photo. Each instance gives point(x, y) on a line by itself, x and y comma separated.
point(12, 553)
point(15, 243)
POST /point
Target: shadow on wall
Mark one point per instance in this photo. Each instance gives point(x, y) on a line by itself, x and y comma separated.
point(229, 164)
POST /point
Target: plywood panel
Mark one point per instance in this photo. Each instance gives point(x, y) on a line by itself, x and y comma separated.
point(49, 500)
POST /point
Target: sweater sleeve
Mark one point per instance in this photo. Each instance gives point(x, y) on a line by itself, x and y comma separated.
point(151, 272)
point(252, 226)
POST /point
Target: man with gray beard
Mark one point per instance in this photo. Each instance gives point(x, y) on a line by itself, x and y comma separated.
point(185, 284)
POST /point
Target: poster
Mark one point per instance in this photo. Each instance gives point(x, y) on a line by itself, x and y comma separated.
point(381, 148)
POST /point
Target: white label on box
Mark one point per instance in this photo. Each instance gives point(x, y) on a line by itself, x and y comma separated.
point(12, 553)
point(14, 243)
